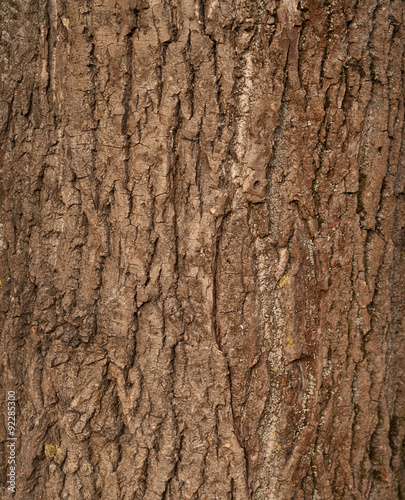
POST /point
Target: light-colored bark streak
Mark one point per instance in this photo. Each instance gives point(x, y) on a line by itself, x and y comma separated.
point(202, 268)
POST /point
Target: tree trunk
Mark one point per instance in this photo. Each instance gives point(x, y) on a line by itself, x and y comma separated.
point(203, 249)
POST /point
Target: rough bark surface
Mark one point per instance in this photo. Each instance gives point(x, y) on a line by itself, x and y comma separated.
point(203, 248)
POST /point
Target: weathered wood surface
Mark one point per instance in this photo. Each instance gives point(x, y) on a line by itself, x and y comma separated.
point(203, 250)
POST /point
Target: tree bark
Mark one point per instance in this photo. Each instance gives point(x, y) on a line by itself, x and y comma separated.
point(203, 249)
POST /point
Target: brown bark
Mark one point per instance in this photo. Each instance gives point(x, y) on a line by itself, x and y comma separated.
point(203, 248)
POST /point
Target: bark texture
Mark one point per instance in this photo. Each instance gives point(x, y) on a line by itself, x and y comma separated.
point(203, 248)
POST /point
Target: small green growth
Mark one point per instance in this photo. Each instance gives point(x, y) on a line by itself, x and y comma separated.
point(362, 475)
point(51, 450)
point(315, 188)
